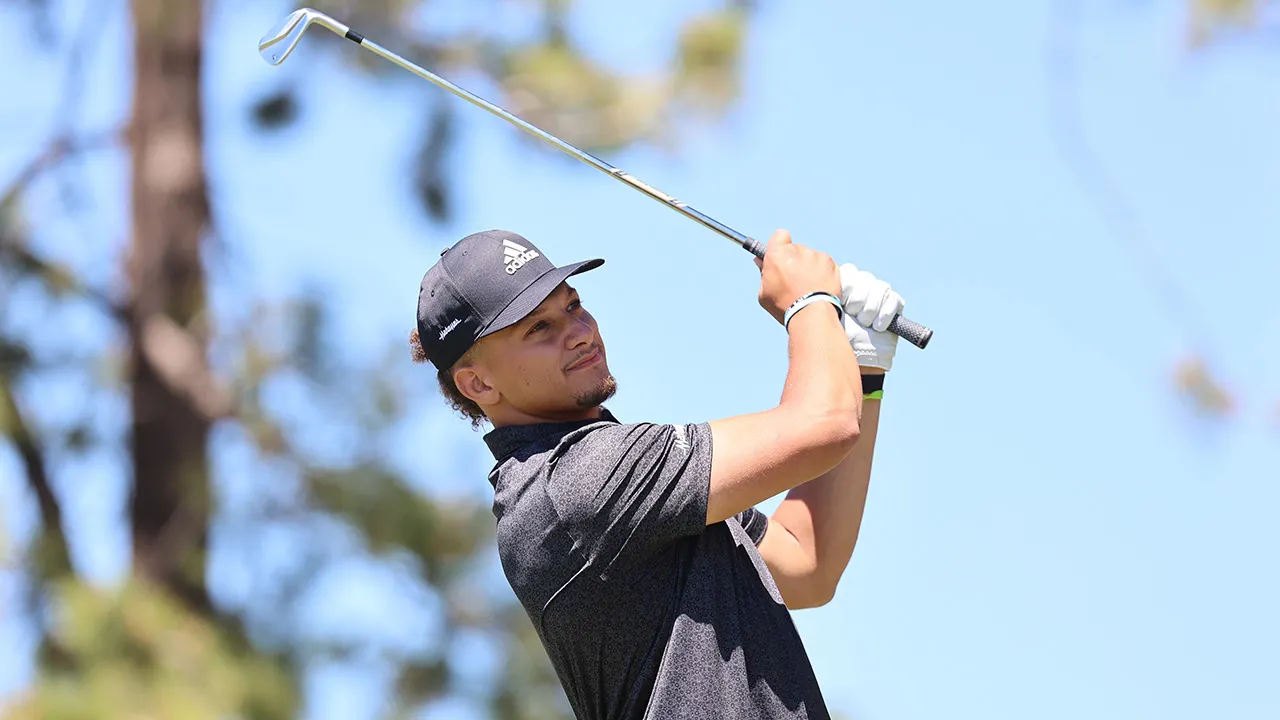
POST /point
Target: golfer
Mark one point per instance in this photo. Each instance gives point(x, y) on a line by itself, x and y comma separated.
point(657, 588)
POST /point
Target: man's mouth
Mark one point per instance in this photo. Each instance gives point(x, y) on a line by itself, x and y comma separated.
point(587, 360)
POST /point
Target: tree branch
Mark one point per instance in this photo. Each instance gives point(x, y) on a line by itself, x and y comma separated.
point(59, 276)
point(171, 349)
point(51, 557)
point(60, 149)
point(179, 360)
point(54, 556)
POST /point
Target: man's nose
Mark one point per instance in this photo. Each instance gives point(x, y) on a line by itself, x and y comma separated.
point(580, 332)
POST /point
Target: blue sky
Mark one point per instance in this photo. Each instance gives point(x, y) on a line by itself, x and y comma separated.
point(1050, 532)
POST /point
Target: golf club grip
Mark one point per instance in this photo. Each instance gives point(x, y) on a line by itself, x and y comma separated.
point(905, 328)
point(911, 331)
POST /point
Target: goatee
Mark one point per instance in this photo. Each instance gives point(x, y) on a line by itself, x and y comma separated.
point(599, 393)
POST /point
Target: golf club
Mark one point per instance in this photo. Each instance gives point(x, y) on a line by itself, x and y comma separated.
point(280, 41)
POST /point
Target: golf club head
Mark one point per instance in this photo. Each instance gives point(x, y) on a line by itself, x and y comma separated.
point(280, 40)
point(276, 45)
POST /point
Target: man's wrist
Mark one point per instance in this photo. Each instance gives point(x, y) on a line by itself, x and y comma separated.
point(804, 301)
point(872, 384)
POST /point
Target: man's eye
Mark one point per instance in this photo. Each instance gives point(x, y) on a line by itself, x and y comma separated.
point(537, 326)
point(575, 304)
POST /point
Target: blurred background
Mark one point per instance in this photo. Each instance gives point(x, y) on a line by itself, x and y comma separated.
point(227, 492)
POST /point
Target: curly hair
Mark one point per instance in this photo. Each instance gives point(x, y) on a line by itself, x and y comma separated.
point(463, 405)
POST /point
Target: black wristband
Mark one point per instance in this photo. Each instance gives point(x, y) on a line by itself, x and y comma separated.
point(872, 382)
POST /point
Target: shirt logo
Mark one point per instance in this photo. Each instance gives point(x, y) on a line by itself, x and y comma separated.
point(681, 438)
point(449, 328)
point(515, 256)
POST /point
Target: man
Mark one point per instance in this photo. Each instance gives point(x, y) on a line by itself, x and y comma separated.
point(656, 587)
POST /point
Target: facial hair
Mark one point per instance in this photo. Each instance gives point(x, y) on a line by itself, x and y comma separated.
point(598, 394)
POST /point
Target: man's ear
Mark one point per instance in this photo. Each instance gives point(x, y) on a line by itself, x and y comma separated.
point(473, 383)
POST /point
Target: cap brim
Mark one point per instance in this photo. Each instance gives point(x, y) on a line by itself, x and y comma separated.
point(527, 301)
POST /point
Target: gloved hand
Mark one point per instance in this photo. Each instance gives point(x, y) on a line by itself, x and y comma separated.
point(870, 305)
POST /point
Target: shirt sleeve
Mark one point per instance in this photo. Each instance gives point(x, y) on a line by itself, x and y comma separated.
point(627, 491)
point(754, 522)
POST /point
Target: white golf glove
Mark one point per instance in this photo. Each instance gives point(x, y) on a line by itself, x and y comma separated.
point(869, 305)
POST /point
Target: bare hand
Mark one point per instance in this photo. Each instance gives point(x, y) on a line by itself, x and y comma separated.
point(789, 271)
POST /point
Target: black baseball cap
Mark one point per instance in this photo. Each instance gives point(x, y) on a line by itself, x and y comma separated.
point(483, 283)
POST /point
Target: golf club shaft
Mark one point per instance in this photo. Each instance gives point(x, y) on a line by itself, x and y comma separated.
point(909, 330)
point(755, 247)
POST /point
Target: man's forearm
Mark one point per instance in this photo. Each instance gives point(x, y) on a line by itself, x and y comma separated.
point(825, 514)
point(822, 369)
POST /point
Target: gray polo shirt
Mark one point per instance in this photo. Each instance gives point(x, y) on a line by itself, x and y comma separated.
point(644, 610)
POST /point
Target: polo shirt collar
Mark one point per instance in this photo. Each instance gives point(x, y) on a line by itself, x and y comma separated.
point(505, 441)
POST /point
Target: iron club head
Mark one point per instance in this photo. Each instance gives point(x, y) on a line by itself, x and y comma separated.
point(280, 40)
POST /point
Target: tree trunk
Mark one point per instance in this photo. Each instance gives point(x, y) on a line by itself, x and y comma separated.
point(169, 507)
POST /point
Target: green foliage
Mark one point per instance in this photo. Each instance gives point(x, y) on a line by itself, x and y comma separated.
point(140, 653)
point(546, 79)
point(711, 47)
point(443, 537)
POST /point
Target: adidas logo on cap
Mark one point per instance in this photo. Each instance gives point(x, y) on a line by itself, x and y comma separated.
point(515, 256)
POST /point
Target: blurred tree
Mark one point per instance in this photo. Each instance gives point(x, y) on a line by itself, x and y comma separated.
point(1209, 21)
point(172, 393)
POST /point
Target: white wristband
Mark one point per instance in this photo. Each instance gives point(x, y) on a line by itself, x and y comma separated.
point(809, 299)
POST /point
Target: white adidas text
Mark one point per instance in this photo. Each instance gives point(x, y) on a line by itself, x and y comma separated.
point(515, 256)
